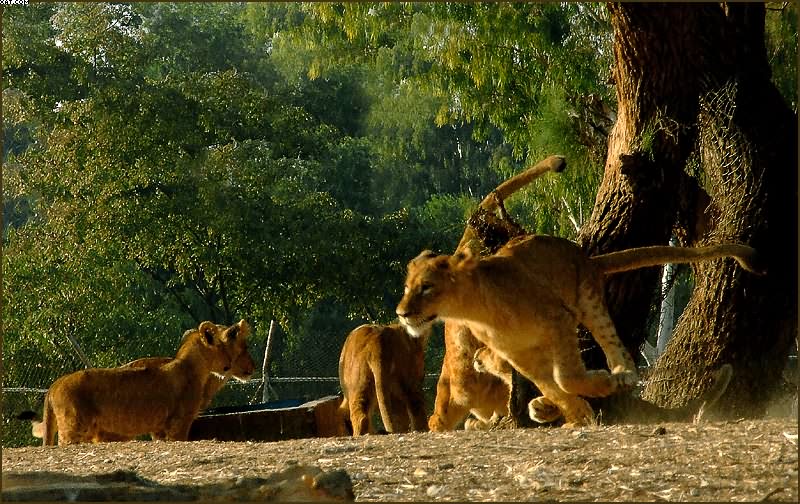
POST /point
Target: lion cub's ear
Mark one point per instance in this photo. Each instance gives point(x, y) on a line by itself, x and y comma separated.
point(244, 328)
point(425, 254)
point(208, 330)
point(464, 258)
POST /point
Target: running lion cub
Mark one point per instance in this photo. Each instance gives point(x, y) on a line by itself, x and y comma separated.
point(525, 302)
point(99, 404)
point(383, 367)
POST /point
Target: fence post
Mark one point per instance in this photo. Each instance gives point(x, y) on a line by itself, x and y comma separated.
point(264, 367)
point(79, 351)
point(667, 311)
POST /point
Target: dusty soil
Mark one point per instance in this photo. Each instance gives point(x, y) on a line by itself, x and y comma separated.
point(719, 461)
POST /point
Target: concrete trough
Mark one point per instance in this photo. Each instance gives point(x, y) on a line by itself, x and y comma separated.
point(272, 421)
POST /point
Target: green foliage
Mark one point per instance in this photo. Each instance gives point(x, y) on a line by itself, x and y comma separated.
point(172, 163)
point(527, 79)
point(781, 43)
point(173, 175)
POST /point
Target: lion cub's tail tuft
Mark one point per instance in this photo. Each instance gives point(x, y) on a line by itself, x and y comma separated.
point(27, 415)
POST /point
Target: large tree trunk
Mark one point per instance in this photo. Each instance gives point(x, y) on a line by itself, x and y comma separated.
point(656, 70)
point(748, 152)
point(668, 57)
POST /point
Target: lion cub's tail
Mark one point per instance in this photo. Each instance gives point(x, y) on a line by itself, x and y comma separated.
point(642, 257)
point(47, 428)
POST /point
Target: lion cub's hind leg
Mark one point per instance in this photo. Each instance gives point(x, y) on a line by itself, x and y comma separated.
point(594, 316)
point(543, 410)
point(577, 412)
point(345, 427)
point(361, 410)
point(571, 375)
point(76, 433)
point(75, 425)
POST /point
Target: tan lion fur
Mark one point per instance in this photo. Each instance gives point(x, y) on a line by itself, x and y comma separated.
point(102, 404)
point(631, 408)
point(461, 389)
point(241, 370)
point(525, 302)
point(382, 368)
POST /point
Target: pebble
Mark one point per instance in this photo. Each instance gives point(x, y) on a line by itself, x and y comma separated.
point(434, 490)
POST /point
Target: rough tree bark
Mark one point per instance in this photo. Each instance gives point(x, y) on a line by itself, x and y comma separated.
point(655, 75)
point(671, 63)
point(747, 149)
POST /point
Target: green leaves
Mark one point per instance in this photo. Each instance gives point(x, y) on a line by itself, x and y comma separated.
point(173, 163)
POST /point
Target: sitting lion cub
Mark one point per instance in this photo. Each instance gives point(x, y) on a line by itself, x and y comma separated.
point(525, 302)
point(100, 404)
point(462, 390)
point(383, 367)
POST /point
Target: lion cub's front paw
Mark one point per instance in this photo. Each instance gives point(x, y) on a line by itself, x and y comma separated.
point(475, 424)
point(625, 379)
point(543, 410)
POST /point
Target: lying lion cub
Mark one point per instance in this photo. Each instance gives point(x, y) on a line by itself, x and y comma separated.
point(383, 366)
point(99, 404)
point(526, 301)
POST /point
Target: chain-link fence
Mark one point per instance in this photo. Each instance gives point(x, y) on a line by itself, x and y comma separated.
point(32, 370)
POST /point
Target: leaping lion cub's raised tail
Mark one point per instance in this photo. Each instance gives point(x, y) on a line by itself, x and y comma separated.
point(642, 257)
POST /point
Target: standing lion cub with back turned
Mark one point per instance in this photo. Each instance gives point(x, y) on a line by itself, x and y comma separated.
point(382, 367)
point(526, 301)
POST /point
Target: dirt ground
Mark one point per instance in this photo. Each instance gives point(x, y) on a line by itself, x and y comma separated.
point(717, 461)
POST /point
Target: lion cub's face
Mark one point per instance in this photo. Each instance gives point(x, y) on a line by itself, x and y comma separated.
point(430, 282)
point(232, 341)
point(235, 336)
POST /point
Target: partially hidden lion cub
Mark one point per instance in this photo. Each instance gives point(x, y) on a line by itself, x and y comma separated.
point(382, 367)
point(120, 403)
point(462, 390)
point(525, 302)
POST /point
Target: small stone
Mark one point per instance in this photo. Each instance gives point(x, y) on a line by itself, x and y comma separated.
point(434, 490)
